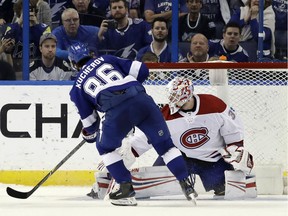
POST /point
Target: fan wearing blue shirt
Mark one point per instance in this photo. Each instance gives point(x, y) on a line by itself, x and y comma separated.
point(122, 35)
point(229, 45)
point(159, 45)
point(72, 32)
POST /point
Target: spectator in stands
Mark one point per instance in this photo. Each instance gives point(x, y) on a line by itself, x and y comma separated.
point(102, 5)
point(149, 57)
point(162, 8)
point(49, 67)
point(71, 32)
point(194, 22)
point(42, 10)
point(122, 34)
point(198, 49)
point(57, 7)
point(7, 72)
point(6, 45)
point(135, 9)
point(88, 14)
point(235, 5)
point(247, 17)
point(229, 45)
point(280, 10)
point(217, 12)
point(159, 45)
point(15, 31)
point(6, 11)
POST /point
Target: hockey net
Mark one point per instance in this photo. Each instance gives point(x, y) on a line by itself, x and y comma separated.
point(257, 91)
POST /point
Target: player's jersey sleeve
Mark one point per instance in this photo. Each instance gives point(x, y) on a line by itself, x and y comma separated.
point(89, 116)
point(232, 129)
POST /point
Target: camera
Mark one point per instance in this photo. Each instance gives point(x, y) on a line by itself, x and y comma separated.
point(8, 35)
point(112, 24)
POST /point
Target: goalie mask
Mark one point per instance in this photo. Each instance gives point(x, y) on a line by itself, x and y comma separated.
point(180, 90)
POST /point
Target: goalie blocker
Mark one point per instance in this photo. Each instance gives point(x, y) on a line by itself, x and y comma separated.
point(159, 181)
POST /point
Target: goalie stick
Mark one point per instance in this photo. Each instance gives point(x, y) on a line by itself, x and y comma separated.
point(24, 195)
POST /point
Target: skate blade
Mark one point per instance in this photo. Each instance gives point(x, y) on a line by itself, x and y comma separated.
point(191, 197)
point(130, 201)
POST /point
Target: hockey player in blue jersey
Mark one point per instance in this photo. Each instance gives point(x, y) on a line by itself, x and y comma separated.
point(114, 86)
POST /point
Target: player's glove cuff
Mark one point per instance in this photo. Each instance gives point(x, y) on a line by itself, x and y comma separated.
point(90, 138)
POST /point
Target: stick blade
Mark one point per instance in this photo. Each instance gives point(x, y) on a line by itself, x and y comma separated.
point(17, 194)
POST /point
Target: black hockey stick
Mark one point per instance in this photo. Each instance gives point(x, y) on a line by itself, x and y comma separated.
point(24, 195)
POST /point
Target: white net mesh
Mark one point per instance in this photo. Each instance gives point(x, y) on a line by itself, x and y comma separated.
point(260, 96)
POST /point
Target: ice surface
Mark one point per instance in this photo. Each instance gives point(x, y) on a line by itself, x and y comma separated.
point(72, 201)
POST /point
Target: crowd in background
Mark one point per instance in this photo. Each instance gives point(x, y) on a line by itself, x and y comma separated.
point(207, 30)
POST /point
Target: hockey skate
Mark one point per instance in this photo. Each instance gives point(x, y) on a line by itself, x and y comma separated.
point(124, 196)
point(188, 190)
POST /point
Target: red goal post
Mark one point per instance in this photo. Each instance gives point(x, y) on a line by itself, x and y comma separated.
point(257, 91)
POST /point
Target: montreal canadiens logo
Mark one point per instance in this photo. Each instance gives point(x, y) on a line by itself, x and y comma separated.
point(194, 138)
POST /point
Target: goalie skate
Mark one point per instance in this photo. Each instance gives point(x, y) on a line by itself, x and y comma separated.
point(188, 190)
point(124, 196)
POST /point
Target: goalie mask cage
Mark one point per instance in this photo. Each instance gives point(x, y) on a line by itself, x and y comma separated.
point(257, 91)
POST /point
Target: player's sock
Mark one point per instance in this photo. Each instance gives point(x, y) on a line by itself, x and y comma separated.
point(119, 172)
point(176, 167)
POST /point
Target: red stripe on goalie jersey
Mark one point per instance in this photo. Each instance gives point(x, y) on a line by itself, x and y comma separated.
point(192, 132)
point(208, 104)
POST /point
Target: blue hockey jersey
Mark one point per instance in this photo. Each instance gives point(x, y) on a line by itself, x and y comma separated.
point(128, 41)
point(216, 48)
point(164, 56)
point(105, 73)
point(161, 6)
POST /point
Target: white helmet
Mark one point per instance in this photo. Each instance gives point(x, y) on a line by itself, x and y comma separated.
point(180, 90)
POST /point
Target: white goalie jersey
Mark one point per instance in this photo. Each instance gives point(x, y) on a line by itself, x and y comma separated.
point(201, 133)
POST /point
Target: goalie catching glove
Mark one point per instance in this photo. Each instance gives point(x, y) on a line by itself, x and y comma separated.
point(238, 157)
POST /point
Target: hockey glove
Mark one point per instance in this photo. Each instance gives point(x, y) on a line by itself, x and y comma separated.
point(238, 157)
point(90, 138)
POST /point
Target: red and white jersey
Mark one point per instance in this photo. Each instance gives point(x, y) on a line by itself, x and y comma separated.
point(200, 134)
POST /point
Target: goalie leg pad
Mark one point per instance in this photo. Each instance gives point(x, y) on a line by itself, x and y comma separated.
point(154, 181)
point(147, 182)
point(102, 182)
point(251, 189)
point(235, 185)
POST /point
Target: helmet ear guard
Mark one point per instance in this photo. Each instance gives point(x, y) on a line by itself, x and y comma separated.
point(180, 91)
